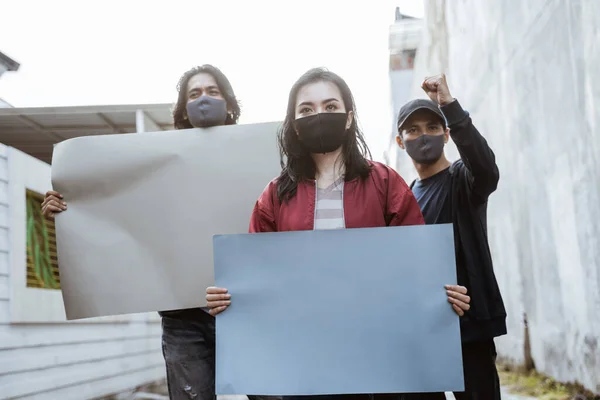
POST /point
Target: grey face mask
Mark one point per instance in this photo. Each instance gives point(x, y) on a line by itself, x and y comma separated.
point(207, 111)
point(426, 149)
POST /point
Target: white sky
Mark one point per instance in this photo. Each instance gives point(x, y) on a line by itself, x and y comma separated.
point(123, 52)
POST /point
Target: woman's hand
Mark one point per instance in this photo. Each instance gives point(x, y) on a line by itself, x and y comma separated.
point(457, 296)
point(217, 300)
point(53, 204)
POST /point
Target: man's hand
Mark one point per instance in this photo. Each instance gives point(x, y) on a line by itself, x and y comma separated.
point(457, 296)
point(217, 300)
point(53, 203)
point(436, 88)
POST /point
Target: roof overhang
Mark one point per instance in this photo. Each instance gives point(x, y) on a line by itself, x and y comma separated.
point(36, 130)
point(9, 63)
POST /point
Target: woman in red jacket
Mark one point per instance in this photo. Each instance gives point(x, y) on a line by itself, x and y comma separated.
point(328, 181)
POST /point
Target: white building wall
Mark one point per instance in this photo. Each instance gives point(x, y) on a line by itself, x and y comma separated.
point(4, 232)
point(528, 73)
point(48, 357)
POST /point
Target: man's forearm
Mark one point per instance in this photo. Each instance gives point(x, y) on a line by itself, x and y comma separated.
point(474, 150)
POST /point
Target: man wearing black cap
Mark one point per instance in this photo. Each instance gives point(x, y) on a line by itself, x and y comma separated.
point(457, 193)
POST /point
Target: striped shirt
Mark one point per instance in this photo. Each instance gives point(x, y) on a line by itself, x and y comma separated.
point(329, 207)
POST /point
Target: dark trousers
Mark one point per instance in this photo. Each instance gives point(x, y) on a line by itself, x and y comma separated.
point(481, 375)
point(189, 350)
point(188, 346)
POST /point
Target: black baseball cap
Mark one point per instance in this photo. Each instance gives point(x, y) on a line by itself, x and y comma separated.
point(419, 104)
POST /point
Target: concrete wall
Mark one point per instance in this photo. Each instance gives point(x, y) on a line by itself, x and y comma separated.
point(528, 71)
point(42, 356)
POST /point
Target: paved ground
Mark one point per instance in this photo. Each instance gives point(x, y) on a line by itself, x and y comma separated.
point(505, 396)
point(508, 396)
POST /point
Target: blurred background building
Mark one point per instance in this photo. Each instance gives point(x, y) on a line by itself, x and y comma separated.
point(528, 74)
point(404, 37)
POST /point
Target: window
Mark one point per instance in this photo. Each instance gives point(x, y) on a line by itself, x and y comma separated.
point(404, 60)
point(35, 294)
point(42, 260)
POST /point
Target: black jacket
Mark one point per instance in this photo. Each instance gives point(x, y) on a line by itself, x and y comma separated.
point(474, 177)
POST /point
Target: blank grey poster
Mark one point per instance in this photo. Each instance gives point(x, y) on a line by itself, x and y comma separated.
point(143, 209)
point(338, 312)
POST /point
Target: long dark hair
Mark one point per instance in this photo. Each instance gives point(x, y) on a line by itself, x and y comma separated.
point(297, 163)
point(180, 119)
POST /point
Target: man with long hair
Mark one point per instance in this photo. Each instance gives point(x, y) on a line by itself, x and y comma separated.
point(205, 99)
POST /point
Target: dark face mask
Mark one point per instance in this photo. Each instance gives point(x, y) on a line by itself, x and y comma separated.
point(426, 149)
point(207, 111)
point(322, 133)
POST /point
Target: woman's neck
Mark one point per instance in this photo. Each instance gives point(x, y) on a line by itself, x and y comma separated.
point(329, 166)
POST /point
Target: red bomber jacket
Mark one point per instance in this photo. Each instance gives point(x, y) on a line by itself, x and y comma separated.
point(382, 199)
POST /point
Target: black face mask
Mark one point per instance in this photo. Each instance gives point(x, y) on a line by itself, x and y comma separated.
point(322, 133)
point(426, 149)
point(207, 111)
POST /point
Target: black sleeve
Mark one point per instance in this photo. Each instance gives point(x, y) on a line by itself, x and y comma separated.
point(474, 151)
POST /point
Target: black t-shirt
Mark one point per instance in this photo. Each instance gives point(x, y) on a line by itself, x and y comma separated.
point(433, 195)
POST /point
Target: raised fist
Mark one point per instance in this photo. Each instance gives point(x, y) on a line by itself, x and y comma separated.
point(436, 88)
